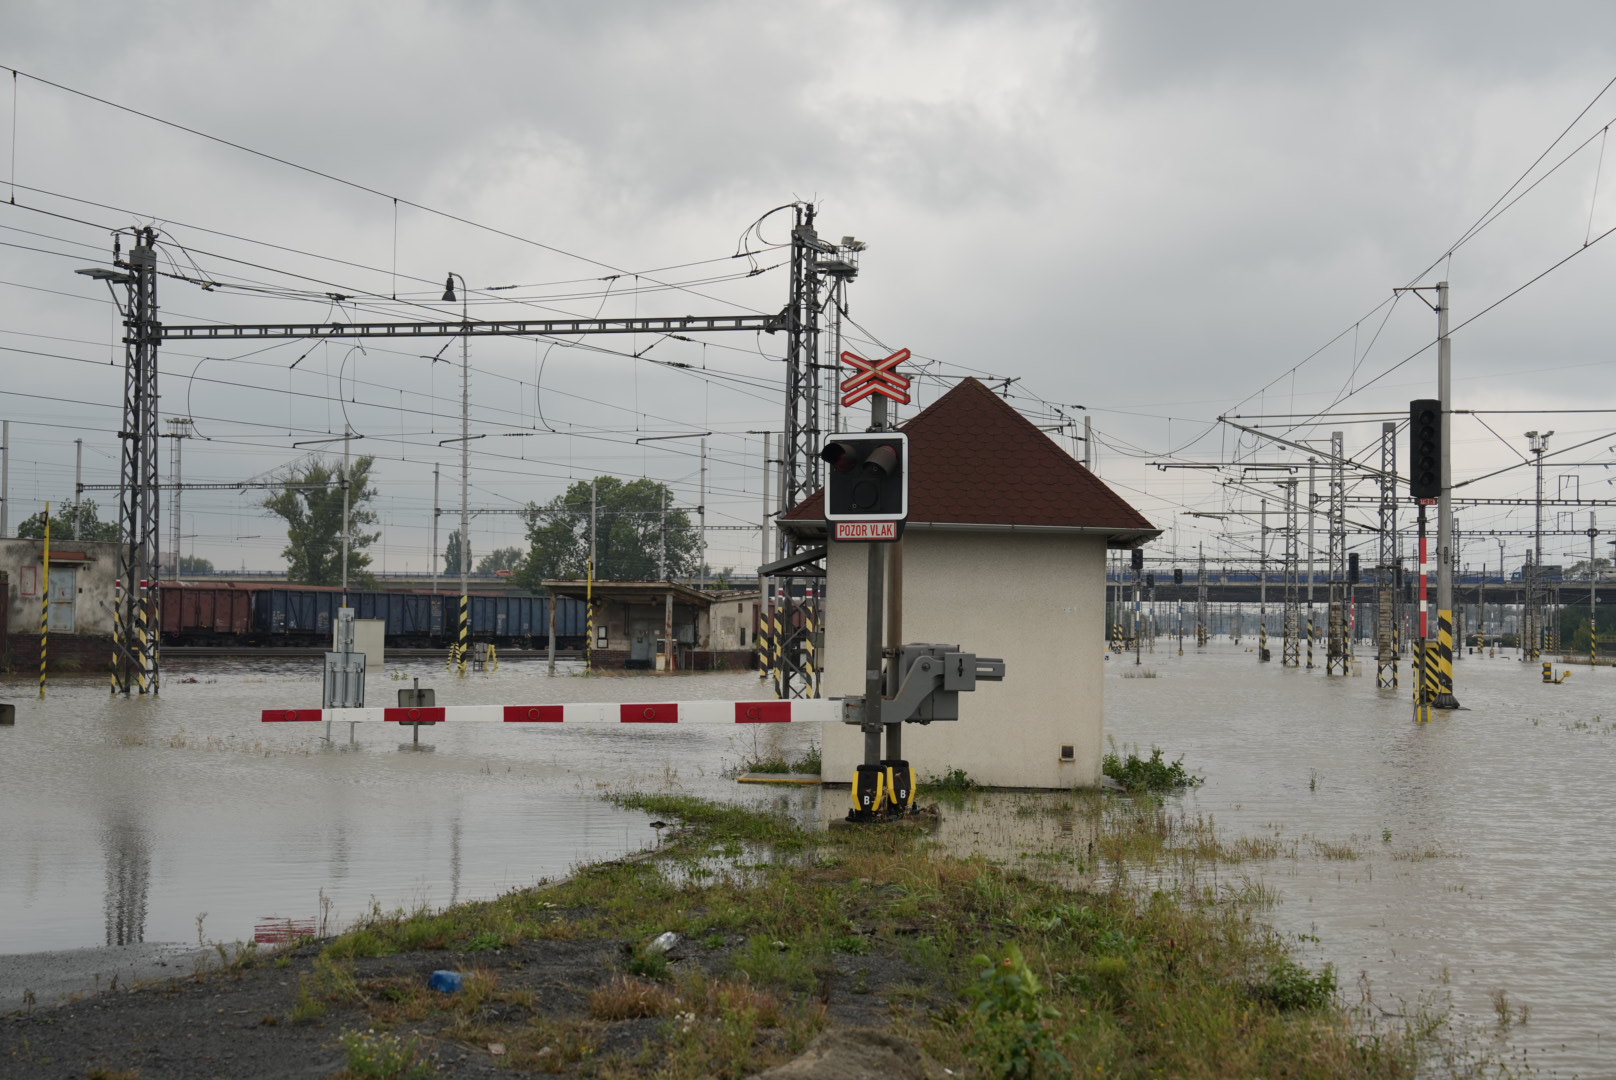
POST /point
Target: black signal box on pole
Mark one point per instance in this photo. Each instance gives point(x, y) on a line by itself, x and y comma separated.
point(867, 484)
point(1425, 448)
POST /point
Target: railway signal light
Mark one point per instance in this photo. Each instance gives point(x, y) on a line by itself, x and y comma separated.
point(1178, 575)
point(1138, 556)
point(868, 479)
point(1352, 568)
point(1425, 448)
point(1150, 581)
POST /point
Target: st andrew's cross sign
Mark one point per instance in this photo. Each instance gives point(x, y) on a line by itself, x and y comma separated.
point(872, 377)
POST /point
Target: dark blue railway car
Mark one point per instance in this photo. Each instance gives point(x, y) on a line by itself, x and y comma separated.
point(289, 613)
point(304, 615)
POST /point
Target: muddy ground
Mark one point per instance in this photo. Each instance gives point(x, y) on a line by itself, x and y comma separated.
point(239, 1022)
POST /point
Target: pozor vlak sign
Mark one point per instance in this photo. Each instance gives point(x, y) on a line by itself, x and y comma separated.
point(867, 485)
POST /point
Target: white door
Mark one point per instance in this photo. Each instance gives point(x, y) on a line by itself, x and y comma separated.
point(64, 591)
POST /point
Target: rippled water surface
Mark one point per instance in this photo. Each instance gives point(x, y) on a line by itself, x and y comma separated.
point(125, 820)
point(1451, 861)
point(1465, 857)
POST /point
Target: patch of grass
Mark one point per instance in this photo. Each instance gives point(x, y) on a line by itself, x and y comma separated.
point(775, 962)
point(719, 822)
point(623, 998)
point(384, 1056)
point(1290, 986)
point(1338, 852)
point(1156, 971)
point(1135, 773)
point(649, 963)
point(955, 780)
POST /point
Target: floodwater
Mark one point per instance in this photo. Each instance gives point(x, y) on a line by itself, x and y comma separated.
point(184, 817)
point(1432, 865)
point(1443, 863)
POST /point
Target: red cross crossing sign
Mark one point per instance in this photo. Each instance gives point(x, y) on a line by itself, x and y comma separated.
point(875, 377)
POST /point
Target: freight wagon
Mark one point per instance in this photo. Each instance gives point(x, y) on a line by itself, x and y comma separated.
point(226, 614)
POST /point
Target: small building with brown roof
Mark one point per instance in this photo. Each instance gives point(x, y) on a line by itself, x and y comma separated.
point(1004, 555)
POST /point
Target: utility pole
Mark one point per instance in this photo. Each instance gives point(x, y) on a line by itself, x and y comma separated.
point(1312, 501)
point(701, 513)
point(5, 478)
point(1445, 698)
point(78, 485)
point(1262, 587)
point(1593, 593)
point(763, 522)
point(179, 431)
point(465, 483)
point(1532, 612)
point(347, 487)
point(662, 546)
point(589, 589)
point(436, 554)
point(1290, 651)
point(1202, 629)
point(1337, 647)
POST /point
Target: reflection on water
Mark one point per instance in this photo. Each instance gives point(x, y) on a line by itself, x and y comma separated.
point(128, 882)
point(126, 820)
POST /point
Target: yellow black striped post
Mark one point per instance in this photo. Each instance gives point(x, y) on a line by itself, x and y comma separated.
point(1444, 660)
point(1310, 638)
point(1397, 650)
point(117, 632)
point(44, 607)
point(1262, 640)
point(465, 634)
point(760, 641)
point(778, 635)
point(1424, 680)
point(141, 630)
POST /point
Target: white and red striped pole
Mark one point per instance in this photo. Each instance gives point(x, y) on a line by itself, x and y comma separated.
point(795, 710)
point(1424, 600)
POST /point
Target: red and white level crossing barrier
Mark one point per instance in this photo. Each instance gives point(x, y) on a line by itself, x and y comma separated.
point(796, 711)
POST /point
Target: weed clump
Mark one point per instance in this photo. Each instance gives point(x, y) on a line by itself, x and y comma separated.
point(386, 1057)
point(1135, 773)
point(1017, 1034)
point(955, 780)
point(1289, 987)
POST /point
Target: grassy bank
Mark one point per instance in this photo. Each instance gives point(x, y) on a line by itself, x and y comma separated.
point(783, 932)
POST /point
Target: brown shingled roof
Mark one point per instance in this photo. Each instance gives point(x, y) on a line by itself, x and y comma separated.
point(955, 447)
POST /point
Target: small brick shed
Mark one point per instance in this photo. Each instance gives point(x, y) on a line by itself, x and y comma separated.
point(1004, 555)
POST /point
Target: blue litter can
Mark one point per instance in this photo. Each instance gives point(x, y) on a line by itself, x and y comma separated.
point(447, 982)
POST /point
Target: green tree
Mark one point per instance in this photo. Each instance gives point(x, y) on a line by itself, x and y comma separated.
point(509, 558)
point(451, 554)
point(1578, 571)
point(65, 518)
point(309, 500)
point(195, 564)
point(631, 534)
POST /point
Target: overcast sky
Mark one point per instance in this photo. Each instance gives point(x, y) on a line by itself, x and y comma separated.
point(1154, 211)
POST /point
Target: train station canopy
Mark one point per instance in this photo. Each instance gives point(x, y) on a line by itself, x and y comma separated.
point(631, 592)
point(975, 463)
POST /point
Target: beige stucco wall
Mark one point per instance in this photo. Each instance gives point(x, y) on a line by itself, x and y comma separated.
point(727, 624)
point(1037, 600)
point(92, 609)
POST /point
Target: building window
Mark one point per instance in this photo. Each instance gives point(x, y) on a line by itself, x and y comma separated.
point(600, 637)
